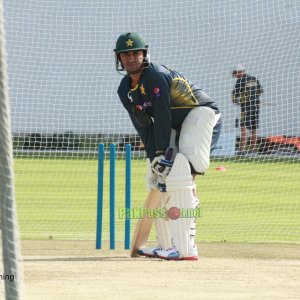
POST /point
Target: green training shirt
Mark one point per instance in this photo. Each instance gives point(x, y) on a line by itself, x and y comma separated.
point(160, 101)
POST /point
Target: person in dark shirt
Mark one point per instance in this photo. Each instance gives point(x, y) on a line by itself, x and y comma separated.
point(246, 94)
point(160, 101)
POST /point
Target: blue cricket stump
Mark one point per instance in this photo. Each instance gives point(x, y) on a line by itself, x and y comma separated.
point(112, 193)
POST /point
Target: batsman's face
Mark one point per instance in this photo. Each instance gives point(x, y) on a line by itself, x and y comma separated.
point(132, 61)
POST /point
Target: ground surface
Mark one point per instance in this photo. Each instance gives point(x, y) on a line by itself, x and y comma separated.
point(73, 270)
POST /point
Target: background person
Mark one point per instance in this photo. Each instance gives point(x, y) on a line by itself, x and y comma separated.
point(246, 94)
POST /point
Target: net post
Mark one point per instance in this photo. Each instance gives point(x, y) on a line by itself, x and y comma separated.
point(11, 253)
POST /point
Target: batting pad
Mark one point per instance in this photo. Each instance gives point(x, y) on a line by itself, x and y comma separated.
point(195, 137)
point(180, 187)
point(163, 234)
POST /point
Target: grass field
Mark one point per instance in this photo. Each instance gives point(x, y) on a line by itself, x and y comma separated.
point(249, 202)
point(248, 237)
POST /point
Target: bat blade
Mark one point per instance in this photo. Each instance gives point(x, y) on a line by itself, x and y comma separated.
point(143, 226)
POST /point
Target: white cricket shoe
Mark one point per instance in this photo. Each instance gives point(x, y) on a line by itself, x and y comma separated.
point(173, 254)
point(148, 252)
point(192, 255)
point(169, 254)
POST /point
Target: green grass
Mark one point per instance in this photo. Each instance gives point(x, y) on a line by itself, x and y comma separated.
point(251, 201)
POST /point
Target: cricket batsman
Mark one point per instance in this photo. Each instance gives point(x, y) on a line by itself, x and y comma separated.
point(160, 101)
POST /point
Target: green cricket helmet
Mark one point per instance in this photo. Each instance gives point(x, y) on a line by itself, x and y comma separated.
point(130, 41)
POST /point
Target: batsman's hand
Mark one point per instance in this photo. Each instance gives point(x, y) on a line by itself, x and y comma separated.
point(151, 182)
point(151, 178)
point(161, 166)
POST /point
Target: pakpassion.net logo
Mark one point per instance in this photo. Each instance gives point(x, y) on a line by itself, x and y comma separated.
point(172, 213)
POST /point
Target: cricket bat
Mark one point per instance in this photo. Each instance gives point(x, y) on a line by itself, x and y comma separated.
point(143, 226)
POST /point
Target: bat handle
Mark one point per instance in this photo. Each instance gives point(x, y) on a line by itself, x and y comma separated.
point(169, 153)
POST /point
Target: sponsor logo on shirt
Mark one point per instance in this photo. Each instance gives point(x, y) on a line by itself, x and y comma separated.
point(143, 89)
point(130, 97)
point(156, 92)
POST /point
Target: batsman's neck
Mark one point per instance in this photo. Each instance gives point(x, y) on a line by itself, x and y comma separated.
point(135, 78)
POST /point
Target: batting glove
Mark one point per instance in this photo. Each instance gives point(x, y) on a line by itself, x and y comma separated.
point(151, 178)
point(161, 166)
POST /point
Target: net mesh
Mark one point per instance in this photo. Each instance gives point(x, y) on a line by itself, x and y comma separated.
point(64, 102)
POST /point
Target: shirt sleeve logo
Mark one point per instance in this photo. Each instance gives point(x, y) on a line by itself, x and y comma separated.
point(156, 92)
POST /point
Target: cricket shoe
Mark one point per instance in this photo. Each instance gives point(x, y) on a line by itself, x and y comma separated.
point(169, 254)
point(192, 255)
point(148, 252)
point(173, 254)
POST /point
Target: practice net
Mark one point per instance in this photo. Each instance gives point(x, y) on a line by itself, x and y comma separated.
point(63, 85)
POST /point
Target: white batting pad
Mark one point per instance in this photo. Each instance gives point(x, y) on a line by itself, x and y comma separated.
point(195, 137)
point(180, 189)
point(163, 234)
